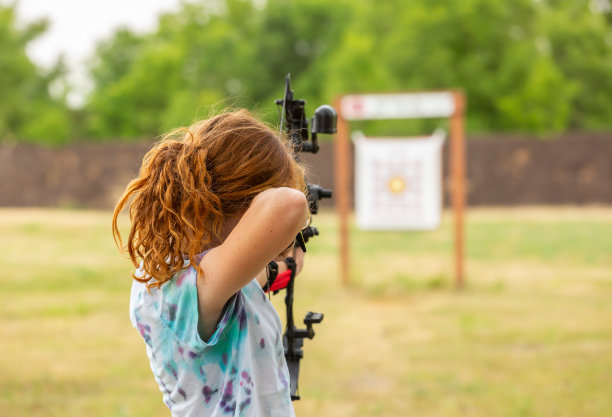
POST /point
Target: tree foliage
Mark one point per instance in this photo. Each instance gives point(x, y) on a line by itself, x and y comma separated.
point(209, 54)
point(538, 66)
point(27, 109)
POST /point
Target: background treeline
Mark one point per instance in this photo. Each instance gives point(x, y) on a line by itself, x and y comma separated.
point(540, 66)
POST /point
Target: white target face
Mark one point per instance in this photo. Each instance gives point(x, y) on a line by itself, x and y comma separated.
point(398, 183)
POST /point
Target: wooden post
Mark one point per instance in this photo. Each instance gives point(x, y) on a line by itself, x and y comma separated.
point(458, 183)
point(342, 189)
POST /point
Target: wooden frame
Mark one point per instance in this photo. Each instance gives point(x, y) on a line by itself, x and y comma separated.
point(450, 104)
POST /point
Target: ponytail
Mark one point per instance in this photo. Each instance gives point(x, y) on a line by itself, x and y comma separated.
point(187, 186)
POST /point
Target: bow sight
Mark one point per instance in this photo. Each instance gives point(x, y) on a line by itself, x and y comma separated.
point(295, 124)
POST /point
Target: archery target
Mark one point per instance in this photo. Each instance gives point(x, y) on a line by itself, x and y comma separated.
point(398, 182)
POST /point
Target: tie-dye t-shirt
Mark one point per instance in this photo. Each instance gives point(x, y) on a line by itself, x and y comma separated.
point(240, 371)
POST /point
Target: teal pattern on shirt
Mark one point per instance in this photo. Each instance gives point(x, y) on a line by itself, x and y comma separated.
point(240, 371)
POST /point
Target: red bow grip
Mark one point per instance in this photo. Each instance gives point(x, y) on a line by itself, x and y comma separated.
point(281, 281)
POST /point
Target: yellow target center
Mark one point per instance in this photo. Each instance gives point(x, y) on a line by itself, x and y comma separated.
point(396, 185)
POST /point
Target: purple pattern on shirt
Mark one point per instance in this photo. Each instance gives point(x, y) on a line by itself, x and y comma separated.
point(213, 377)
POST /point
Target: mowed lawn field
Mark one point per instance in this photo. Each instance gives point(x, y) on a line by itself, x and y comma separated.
point(530, 335)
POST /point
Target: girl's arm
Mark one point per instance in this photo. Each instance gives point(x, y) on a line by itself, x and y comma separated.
point(268, 226)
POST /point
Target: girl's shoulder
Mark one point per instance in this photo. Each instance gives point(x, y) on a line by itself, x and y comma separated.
point(152, 306)
point(172, 309)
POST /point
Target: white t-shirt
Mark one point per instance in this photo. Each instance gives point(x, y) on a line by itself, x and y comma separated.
point(240, 371)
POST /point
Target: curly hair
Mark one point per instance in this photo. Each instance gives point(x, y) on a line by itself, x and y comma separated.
point(191, 181)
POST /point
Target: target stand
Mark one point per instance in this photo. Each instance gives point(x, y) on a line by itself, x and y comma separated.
point(432, 104)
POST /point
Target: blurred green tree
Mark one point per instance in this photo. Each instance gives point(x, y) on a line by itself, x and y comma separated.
point(28, 111)
point(533, 66)
point(577, 35)
point(489, 49)
point(209, 54)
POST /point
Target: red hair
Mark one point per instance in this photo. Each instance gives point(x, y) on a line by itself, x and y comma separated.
point(192, 180)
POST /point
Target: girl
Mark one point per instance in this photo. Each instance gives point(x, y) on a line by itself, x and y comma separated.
point(209, 211)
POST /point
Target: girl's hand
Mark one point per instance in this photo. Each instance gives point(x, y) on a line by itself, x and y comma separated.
point(298, 256)
point(296, 253)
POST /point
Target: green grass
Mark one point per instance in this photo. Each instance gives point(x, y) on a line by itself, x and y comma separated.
point(530, 334)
